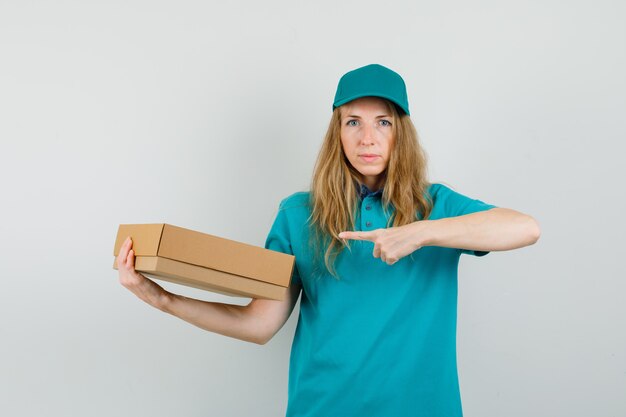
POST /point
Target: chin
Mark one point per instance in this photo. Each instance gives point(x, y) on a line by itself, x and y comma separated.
point(369, 173)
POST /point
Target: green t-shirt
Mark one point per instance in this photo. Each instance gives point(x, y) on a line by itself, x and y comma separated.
point(381, 340)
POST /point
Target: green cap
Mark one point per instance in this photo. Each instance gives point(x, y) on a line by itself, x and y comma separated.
point(372, 81)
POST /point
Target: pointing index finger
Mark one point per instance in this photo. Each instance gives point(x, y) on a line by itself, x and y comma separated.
point(357, 235)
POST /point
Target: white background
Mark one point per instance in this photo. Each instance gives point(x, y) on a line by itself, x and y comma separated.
point(205, 115)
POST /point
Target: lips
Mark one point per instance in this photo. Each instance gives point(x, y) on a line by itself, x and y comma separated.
point(369, 157)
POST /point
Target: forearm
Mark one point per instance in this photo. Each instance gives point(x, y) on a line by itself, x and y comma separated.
point(498, 229)
point(225, 319)
point(230, 320)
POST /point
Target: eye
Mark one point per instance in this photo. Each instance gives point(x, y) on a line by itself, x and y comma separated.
point(352, 122)
point(384, 122)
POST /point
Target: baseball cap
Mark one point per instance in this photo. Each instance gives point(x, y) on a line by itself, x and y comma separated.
point(372, 80)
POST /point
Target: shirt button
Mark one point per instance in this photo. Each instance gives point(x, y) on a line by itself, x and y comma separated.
point(368, 207)
point(368, 224)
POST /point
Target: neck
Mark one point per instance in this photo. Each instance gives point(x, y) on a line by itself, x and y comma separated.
point(374, 184)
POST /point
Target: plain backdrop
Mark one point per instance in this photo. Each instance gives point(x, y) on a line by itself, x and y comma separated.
point(206, 114)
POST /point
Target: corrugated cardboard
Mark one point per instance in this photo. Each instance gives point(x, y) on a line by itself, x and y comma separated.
point(207, 262)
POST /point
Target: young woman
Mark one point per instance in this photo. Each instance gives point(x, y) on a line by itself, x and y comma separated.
point(377, 249)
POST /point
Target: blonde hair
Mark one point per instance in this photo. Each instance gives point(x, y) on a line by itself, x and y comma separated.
point(334, 193)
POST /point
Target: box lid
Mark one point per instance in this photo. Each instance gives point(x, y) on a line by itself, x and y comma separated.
point(209, 251)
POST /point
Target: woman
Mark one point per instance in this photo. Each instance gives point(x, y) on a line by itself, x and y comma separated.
point(377, 249)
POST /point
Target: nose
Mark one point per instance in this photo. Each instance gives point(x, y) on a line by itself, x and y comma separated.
point(367, 137)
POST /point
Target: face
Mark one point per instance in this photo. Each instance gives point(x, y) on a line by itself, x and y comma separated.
point(367, 138)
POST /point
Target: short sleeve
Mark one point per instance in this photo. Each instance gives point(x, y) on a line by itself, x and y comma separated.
point(457, 204)
point(279, 239)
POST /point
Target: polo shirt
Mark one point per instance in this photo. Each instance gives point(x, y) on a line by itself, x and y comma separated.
point(380, 341)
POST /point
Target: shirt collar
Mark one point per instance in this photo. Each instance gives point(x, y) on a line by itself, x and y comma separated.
point(366, 192)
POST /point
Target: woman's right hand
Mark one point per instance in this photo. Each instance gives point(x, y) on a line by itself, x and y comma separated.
point(142, 287)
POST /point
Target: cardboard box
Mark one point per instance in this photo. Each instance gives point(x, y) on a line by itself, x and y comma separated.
point(207, 262)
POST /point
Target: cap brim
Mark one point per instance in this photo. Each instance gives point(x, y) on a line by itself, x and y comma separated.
point(370, 94)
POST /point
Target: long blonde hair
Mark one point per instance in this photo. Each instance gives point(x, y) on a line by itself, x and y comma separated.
point(334, 192)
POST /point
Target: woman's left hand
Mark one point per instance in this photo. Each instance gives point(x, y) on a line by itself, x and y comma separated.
point(394, 243)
